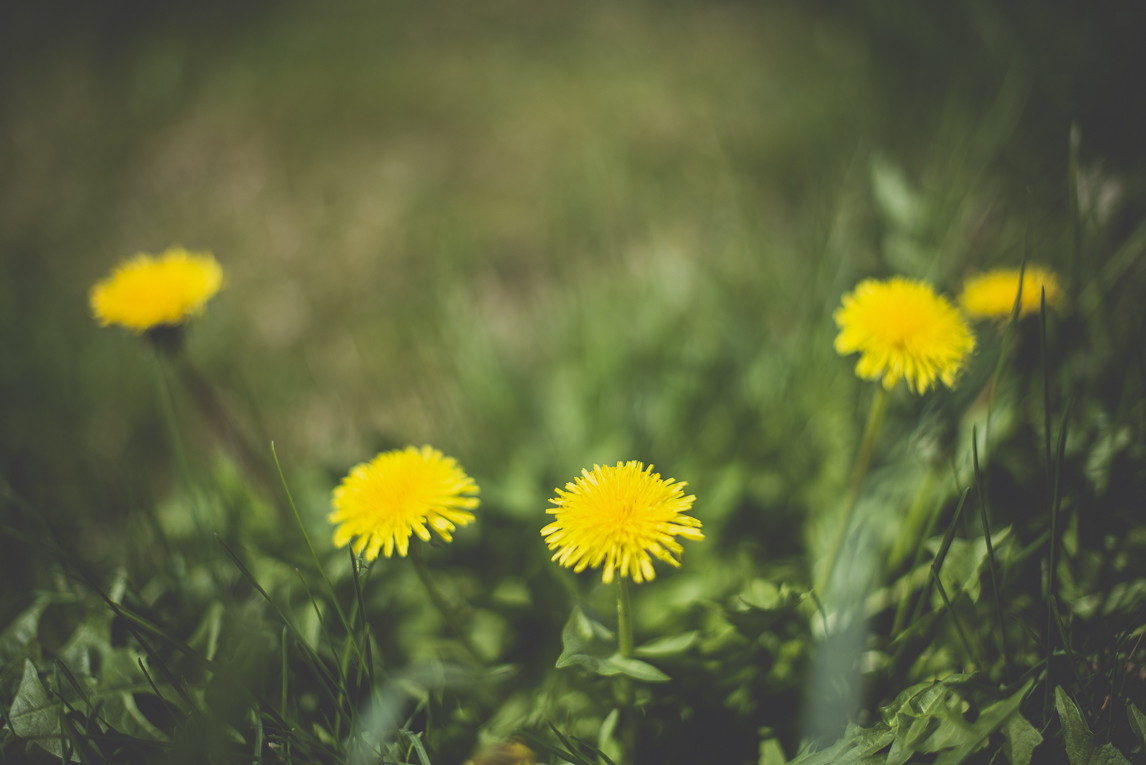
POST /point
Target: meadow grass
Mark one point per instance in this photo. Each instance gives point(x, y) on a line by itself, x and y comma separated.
point(543, 238)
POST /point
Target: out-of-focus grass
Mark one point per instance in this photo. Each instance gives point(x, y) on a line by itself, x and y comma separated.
point(537, 236)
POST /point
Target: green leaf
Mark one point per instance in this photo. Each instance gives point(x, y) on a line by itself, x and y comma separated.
point(120, 678)
point(1021, 739)
point(771, 753)
point(909, 732)
point(1137, 722)
point(1081, 748)
point(589, 644)
point(583, 635)
point(34, 715)
point(990, 720)
point(20, 631)
point(667, 646)
point(858, 745)
point(614, 665)
point(963, 566)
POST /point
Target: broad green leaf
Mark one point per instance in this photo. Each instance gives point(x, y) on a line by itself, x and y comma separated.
point(963, 566)
point(771, 753)
point(975, 734)
point(583, 635)
point(1137, 722)
point(34, 715)
point(120, 677)
point(667, 646)
point(824, 756)
point(20, 631)
point(868, 741)
point(614, 665)
point(909, 732)
point(1081, 748)
point(1021, 739)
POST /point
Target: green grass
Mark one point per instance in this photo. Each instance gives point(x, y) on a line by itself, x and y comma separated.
point(542, 237)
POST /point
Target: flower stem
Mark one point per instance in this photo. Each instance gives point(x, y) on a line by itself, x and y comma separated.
point(917, 516)
point(438, 598)
point(624, 617)
point(863, 461)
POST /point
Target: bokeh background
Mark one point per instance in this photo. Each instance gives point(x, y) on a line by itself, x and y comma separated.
point(537, 235)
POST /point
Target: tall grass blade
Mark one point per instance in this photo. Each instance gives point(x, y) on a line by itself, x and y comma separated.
point(317, 563)
point(365, 623)
point(990, 554)
point(1053, 622)
point(286, 674)
point(958, 623)
point(941, 554)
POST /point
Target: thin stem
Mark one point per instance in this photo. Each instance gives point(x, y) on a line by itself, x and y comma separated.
point(317, 563)
point(913, 523)
point(624, 617)
point(955, 617)
point(438, 598)
point(905, 602)
point(863, 461)
point(990, 554)
point(1052, 616)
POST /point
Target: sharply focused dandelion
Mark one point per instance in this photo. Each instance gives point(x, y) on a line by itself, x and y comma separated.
point(380, 503)
point(146, 293)
point(620, 516)
point(992, 295)
point(903, 330)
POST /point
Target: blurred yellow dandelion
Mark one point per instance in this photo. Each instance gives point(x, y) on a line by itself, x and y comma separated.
point(992, 295)
point(902, 329)
point(147, 292)
point(381, 502)
point(620, 515)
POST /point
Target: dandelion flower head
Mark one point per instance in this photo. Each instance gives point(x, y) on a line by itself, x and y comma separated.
point(903, 329)
point(147, 292)
point(620, 516)
point(992, 295)
point(381, 502)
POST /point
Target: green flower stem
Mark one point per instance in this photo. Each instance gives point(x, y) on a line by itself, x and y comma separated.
point(863, 461)
point(904, 602)
point(438, 598)
point(624, 617)
point(190, 484)
point(913, 523)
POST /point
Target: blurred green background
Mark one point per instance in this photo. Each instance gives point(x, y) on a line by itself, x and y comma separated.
point(537, 235)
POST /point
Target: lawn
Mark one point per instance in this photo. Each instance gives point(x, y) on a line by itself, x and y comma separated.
point(548, 238)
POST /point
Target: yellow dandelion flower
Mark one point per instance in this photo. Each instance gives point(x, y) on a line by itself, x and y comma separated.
point(619, 516)
point(148, 292)
point(381, 502)
point(992, 295)
point(902, 329)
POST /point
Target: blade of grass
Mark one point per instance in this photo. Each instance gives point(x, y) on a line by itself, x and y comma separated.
point(317, 563)
point(990, 554)
point(941, 554)
point(859, 471)
point(365, 623)
point(958, 624)
point(254, 583)
point(540, 744)
point(171, 707)
point(1053, 622)
point(593, 750)
point(283, 706)
point(416, 742)
point(438, 598)
point(258, 739)
point(904, 604)
point(340, 682)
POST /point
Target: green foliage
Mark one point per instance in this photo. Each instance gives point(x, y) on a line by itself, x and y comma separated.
point(542, 237)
